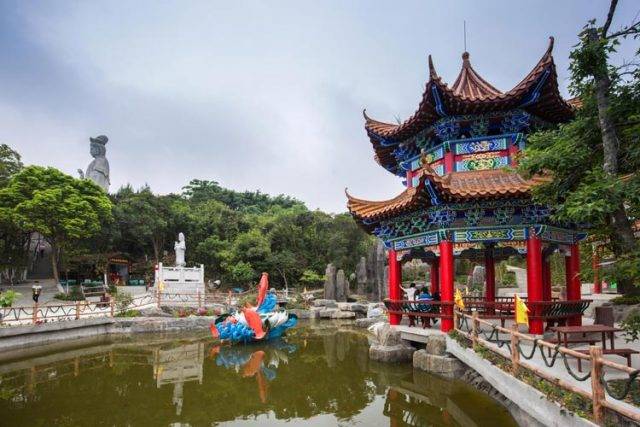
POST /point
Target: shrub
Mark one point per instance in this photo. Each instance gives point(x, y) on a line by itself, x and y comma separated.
point(626, 300)
point(631, 326)
point(75, 294)
point(123, 301)
point(7, 298)
point(129, 313)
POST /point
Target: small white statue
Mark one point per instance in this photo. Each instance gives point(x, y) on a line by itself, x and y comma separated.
point(180, 247)
point(98, 169)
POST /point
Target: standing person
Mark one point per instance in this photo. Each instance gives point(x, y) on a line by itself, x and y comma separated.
point(410, 293)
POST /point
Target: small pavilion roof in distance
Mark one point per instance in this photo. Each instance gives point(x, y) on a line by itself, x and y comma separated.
point(471, 94)
point(455, 186)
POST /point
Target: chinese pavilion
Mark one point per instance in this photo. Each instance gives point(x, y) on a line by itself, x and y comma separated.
point(463, 199)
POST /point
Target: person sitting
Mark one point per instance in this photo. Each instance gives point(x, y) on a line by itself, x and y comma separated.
point(425, 308)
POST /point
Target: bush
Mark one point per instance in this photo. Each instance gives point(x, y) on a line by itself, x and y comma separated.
point(129, 313)
point(123, 301)
point(631, 326)
point(626, 300)
point(7, 298)
point(75, 294)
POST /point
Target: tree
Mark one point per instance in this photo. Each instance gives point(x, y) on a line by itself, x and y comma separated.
point(144, 217)
point(10, 164)
point(593, 159)
point(59, 207)
point(14, 242)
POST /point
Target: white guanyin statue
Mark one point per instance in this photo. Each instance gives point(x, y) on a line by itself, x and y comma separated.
point(180, 247)
point(98, 169)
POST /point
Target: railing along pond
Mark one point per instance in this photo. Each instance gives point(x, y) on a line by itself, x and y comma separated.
point(35, 314)
point(599, 387)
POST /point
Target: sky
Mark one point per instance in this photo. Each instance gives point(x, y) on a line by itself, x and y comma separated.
point(255, 95)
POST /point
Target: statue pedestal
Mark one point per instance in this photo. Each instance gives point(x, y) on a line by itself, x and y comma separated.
point(180, 280)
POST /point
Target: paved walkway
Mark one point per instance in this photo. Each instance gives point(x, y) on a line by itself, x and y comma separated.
point(49, 290)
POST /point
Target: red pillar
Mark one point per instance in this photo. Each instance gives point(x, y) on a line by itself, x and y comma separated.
point(597, 282)
point(449, 161)
point(435, 276)
point(534, 279)
point(395, 279)
point(574, 283)
point(546, 279)
point(446, 282)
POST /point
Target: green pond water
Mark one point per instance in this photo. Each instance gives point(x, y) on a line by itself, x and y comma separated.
point(320, 374)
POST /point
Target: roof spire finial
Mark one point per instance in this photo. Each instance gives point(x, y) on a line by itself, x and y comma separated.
point(464, 23)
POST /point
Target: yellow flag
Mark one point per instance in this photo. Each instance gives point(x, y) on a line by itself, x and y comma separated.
point(457, 298)
point(522, 311)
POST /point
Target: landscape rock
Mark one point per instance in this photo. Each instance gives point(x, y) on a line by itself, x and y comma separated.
point(343, 315)
point(305, 314)
point(390, 354)
point(325, 303)
point(342, 286)
point(365, 322)
point(361, 276)
point(445, 365)
point(436, 345)
point(327, 313)
point(154, 312)
point(330, 282)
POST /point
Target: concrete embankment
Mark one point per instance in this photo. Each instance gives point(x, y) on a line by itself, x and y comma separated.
point(24, 337)
point(434, 352)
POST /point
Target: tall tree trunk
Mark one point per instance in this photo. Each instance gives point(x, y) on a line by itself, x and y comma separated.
point(156, 250)
point(622, 238)
point(54, 262)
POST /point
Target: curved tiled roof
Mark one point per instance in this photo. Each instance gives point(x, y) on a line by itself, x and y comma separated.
point(455, 186)
point(471, 94)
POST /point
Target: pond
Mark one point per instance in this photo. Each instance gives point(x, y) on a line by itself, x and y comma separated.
point(319, 375)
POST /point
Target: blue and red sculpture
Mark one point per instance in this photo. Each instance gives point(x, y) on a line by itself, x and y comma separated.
point(259, 323)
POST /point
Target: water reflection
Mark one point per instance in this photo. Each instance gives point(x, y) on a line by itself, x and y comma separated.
point(320, 374)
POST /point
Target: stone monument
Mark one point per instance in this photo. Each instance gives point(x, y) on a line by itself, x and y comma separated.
point(180, 247)
point(98, 169)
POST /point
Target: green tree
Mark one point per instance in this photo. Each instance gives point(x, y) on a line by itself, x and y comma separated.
point(59, 207)
point(10, 164)
point(594, 159)
point(14, 241)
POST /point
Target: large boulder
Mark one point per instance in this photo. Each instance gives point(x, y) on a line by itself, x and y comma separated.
point(330, 303)
point(330, 282)
point(436, 345)
point(343, 315)
point(391, 354)
point(342, 286)
point(445, 365)
point(361, 276)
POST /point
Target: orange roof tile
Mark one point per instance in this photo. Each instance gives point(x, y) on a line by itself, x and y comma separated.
point(455, 186)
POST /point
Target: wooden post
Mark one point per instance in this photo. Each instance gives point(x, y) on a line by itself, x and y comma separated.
point(77, 310)
point(455, 318)
point(35, 313)
point(199, 299)
point(597, 388)
point(534, 279)
point(515, 354)
point(474, 328)
point(113, 306)
point(158, 297)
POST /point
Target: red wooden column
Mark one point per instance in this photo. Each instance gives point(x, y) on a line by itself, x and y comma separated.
point(449, 160)
point(435, 276)
point(573, 281)
point(546, 278)
point(490, 277)
point(534, 279)
point(446, 282)
point(395, 280)
point(597, 281)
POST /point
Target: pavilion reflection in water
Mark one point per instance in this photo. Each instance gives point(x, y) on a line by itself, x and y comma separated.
point(177, 366)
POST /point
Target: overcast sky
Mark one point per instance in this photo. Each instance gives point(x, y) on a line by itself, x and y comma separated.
point(254, 95)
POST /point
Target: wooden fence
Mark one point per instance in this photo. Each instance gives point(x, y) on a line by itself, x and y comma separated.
point(599, 388)
point(35, 314)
